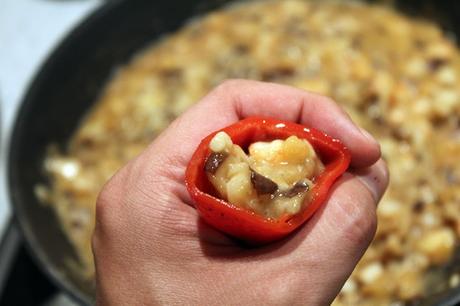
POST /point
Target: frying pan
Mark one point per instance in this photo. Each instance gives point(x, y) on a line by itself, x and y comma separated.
point(70, 81)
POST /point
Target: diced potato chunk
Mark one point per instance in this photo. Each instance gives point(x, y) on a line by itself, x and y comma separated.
point(438, 245)
point(370, 273)
point(239, 185)
point(220, 142)
point(285, 162)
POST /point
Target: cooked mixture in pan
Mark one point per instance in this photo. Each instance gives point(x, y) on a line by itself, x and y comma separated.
point(273, 180)
point(397, 76)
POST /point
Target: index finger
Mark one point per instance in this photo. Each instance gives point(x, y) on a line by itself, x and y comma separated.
point(236, 99)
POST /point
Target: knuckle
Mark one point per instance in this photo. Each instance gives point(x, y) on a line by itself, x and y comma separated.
point(363, 226)
point(110, 199)
point(105, 201)
point(360, 220)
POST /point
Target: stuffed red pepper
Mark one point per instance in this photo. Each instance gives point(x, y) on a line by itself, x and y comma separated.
point(260, 178)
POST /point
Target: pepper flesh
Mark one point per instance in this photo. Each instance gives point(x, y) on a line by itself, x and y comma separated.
point(247, 225)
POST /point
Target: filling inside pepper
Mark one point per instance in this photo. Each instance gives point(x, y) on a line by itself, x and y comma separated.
point(273, 179)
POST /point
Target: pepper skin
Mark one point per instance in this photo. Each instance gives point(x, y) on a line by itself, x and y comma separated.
point(247, 225)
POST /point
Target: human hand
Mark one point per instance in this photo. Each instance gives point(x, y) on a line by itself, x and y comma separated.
point(151, 247)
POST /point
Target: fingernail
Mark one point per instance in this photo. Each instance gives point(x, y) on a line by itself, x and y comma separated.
point(375, 179)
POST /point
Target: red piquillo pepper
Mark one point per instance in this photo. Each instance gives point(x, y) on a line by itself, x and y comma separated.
point(247, 225)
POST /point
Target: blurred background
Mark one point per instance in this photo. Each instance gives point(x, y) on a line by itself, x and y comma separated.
point(395, 68)
point(29, 30)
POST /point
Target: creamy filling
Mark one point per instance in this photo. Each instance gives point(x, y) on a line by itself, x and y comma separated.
point(273, 179)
